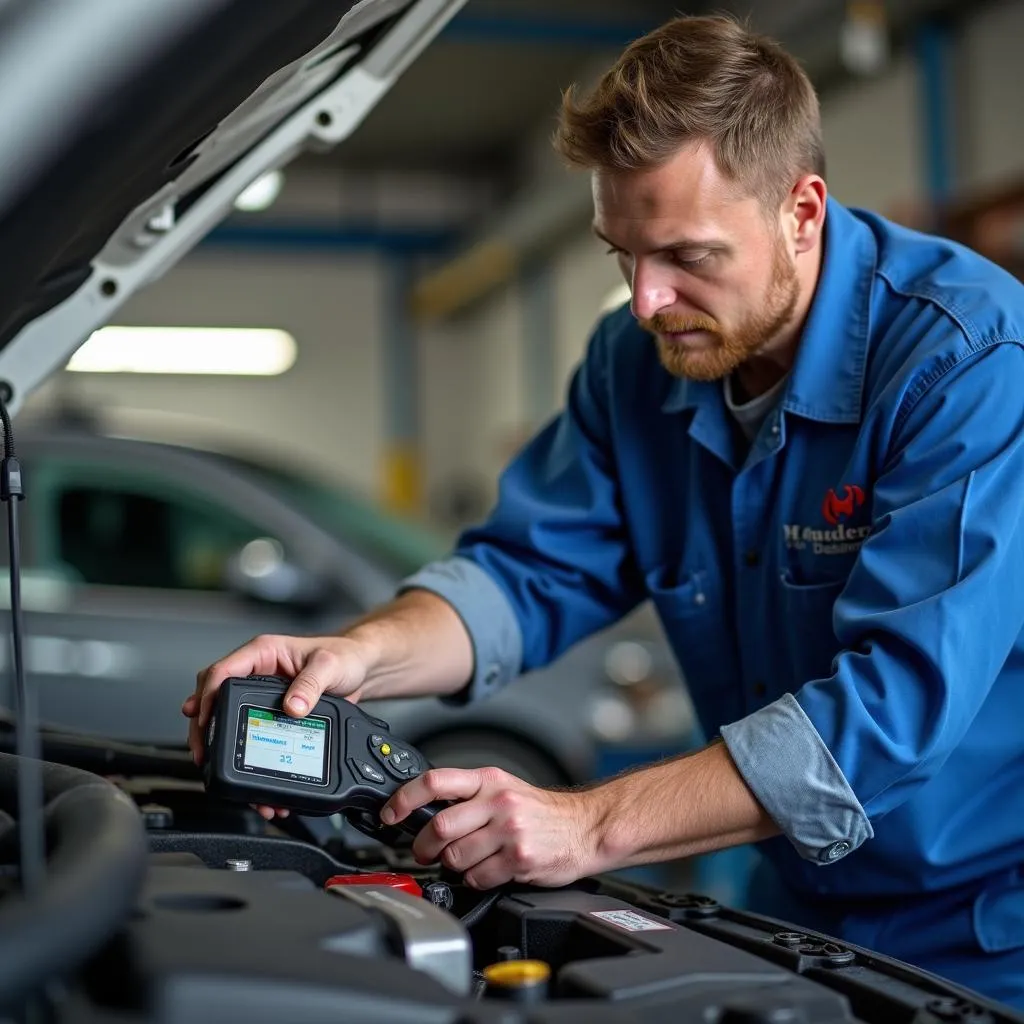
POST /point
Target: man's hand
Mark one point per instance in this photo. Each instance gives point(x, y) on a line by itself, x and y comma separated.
point(502, 829)
point(316, 665)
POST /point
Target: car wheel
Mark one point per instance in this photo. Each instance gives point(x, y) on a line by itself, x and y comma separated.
point(481, 748)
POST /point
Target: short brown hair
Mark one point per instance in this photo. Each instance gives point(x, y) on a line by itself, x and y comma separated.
point(700, 79)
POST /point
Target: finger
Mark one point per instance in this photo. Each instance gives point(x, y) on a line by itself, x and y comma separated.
point(196, 741)
point(490, 873)
point(259, 656)
point(270, 812)
point(196, 734)
point(323, 669)
point(467, 853)
point(195, 696)
point(190, 709)
point(263, 655)
point(436, 784)
point(449, 826)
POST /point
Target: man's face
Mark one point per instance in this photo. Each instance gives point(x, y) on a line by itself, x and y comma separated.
point(711, 276)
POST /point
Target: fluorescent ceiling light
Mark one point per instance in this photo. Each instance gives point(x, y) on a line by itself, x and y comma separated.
point(261, 193)
point(227, 350)
point(864, 37)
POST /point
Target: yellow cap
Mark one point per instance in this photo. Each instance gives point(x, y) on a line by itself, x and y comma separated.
point(385, 749)
point(513, 973)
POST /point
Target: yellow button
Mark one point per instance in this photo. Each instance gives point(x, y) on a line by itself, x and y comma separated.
point(385, 749)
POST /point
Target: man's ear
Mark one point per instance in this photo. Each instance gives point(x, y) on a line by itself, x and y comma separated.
point(805, 210)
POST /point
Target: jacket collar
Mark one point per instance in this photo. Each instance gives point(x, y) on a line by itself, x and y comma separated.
point(827, 380)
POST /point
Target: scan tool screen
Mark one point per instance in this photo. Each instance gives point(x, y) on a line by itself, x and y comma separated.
point(282, 747)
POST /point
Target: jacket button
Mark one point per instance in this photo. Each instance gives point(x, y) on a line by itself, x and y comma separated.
point(836, 850)
point(492, 675)
point(752, 558)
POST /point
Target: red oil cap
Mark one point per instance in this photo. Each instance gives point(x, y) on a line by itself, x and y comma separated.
point(405, 882)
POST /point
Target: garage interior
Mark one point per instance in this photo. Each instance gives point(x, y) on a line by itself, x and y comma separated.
point(322, 393)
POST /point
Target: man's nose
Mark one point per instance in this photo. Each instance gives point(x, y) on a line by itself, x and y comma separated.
point(651, 292)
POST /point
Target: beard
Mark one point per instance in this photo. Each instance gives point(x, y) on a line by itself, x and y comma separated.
point(728, 349)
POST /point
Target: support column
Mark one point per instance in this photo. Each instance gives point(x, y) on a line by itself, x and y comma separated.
point(401, 470)
point(935, 57)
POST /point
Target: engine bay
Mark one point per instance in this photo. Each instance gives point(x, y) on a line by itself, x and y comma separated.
point(234, 918)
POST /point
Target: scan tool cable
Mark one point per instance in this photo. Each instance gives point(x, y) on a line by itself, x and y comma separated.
point(30, 782)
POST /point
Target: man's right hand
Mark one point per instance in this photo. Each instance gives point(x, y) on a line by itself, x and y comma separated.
point(316, 665)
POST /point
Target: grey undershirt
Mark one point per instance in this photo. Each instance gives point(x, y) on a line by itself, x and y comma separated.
point(750, 415)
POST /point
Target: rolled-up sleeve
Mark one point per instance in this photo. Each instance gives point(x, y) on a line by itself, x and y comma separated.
point(795, 778)
point(554, 549)
point(929, 615)
point(488, 617)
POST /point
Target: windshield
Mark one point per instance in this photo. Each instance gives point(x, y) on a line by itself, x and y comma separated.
point(399, 544)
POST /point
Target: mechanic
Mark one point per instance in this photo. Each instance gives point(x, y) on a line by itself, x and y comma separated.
point(804, 441)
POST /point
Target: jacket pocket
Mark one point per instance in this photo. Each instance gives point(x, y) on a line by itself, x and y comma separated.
point(808, 634)
point(689, 607)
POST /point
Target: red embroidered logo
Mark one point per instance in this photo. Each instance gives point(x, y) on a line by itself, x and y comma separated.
point(834, 508)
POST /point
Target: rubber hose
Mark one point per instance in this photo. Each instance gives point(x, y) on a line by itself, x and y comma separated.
point(96, 863)
point(472, 916)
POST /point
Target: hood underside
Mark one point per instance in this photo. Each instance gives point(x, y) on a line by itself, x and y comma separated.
point(128, 128)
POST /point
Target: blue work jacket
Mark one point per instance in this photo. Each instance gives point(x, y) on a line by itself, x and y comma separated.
point(845, 595)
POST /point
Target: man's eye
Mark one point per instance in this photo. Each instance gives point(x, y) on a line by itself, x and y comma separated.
point(614, 251)
point(693, 262)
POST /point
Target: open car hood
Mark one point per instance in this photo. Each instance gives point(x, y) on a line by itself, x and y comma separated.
point(129, 127)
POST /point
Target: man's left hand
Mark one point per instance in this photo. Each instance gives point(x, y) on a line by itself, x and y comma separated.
point(501, 829)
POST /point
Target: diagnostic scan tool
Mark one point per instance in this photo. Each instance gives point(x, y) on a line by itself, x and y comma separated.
point(338, 759)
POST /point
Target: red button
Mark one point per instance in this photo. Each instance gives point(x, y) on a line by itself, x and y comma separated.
point(404, 882)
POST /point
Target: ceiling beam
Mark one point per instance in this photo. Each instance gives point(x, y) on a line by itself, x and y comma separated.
point(337, 238)
point(523, 232)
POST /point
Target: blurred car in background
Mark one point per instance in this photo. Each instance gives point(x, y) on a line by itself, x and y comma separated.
point(144, 562)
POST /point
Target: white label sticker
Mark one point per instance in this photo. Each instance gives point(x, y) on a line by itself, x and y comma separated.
point(630, 921)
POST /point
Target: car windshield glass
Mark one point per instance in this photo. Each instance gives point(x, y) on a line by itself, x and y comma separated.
point(399, 544)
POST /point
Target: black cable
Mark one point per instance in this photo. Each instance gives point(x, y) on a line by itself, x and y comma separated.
point(472, 916)
point(30, 781)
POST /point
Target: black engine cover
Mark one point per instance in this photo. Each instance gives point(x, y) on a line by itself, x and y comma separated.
point(267, 947)
point(255, 946)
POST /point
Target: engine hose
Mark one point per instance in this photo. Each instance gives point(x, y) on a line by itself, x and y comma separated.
point(95, 868)
point(472, 916)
